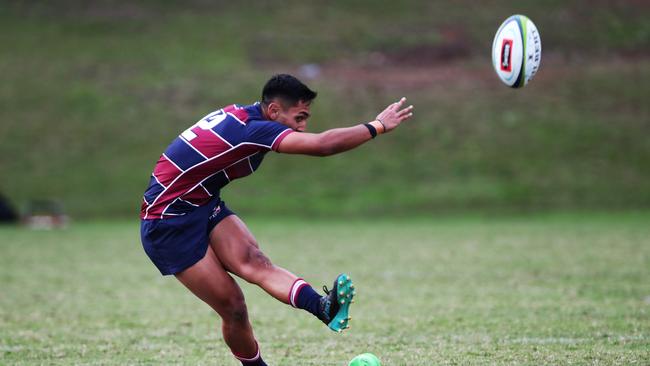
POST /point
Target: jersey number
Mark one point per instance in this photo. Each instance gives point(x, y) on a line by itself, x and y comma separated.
point(206, 123)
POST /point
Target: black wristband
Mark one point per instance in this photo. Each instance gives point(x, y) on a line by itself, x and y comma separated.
point(371, 128)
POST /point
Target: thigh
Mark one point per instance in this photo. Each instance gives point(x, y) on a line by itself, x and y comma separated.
point(236, 247)
point(210, 282)
point(240, 254)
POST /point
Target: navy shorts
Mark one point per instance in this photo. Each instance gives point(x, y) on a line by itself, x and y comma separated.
point(177, 243)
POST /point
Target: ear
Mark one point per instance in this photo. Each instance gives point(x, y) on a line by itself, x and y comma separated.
point(274, 110)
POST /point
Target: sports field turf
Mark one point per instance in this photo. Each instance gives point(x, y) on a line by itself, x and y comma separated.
point(560, 289)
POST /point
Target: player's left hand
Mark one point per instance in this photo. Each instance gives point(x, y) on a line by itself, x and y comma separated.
point(394, 115)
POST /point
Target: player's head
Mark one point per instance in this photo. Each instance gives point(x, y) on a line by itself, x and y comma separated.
point(287, 100)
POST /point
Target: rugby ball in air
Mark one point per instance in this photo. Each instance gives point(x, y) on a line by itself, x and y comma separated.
point(517, 51)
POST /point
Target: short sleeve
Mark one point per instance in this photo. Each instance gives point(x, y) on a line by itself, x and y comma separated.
point(267, 133)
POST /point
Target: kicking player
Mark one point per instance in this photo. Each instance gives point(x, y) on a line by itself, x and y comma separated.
point(189, 232)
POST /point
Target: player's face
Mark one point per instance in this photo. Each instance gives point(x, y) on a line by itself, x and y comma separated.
point(295, 117)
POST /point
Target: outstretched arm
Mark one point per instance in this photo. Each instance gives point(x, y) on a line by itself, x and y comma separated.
point(338, 140)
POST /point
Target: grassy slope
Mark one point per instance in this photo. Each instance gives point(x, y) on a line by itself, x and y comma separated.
point(571, 289)
point(91, 94)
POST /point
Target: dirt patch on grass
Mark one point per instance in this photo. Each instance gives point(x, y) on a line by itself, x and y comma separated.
point(378, 72)
point(454, 45)
point(401, 77)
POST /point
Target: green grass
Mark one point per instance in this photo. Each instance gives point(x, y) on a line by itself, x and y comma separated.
point(527, 290)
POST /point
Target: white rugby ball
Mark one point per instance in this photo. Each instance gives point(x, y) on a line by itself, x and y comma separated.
point(517, 51)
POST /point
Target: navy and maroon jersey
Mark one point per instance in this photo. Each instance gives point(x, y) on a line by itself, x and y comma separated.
point(226, 144)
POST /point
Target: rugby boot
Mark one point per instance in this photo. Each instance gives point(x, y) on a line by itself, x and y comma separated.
point(334, 307)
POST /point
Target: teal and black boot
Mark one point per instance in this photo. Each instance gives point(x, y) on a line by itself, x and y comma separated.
point(335, 306)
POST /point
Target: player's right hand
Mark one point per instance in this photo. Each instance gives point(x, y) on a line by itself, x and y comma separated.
point(393, 115)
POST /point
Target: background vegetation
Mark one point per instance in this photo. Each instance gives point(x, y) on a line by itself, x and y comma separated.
point(92, 92)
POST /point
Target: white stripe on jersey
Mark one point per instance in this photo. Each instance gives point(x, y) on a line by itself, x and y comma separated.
point(193, 148)
point(235, 117)
point(219, 136)
point(200, 183)
point(162, 185)
point(205, 189)
point(278, 136)
point(170, 160)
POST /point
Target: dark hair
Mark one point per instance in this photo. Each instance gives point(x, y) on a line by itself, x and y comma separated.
point(288, 89)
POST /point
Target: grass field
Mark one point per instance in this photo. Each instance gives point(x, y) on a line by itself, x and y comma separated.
point(558, 289)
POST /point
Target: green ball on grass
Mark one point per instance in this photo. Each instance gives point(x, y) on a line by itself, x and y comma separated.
point(366, 359)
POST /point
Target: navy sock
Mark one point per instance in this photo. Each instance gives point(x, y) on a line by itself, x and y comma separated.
point(304, 297)
point(258, 362)
point(254, 361)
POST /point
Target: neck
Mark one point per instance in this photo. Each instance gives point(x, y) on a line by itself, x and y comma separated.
point(265, 112)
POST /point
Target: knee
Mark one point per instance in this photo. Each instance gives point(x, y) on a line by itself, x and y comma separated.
point(233, 311)
point(254, 263)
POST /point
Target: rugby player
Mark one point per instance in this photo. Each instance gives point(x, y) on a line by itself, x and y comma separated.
point(189, 232)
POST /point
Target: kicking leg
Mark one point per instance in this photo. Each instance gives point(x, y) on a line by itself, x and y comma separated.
point(240, 254)
point(209, 281)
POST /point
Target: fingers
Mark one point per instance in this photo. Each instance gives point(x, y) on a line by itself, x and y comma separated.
point(406, 110)
point(395, 114)
point(405, 113)
point(397, 105)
